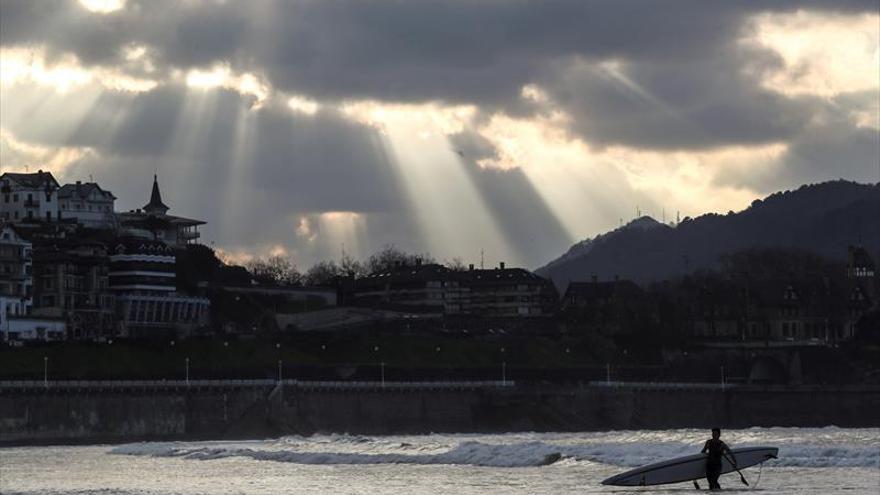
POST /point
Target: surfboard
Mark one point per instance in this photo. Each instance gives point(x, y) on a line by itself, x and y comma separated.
point(692, 467)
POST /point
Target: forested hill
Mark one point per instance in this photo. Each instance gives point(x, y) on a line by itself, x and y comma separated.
point(821, 218)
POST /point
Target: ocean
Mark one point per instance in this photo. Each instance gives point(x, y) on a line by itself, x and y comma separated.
point(811, 460)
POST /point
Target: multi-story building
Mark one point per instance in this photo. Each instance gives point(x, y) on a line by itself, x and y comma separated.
point(28, 197)
point(72, 284)
point(494, 293)
point(422, 287)
point(153, 222)
point(87, 204)
point(142, 277)
point(16, 268)
point(502, 293)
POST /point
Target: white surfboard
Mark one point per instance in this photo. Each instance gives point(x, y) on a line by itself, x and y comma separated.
point(692, 467)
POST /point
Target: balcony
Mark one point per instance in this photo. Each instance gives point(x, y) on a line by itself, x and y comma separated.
point(31, 203)
point(188, 235)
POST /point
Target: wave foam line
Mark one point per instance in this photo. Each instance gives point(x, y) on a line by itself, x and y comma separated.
point(527, 454)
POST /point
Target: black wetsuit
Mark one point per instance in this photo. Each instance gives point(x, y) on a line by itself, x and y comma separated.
point(715, 449)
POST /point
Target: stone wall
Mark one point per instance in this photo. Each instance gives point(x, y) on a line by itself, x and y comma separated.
point(113, 416)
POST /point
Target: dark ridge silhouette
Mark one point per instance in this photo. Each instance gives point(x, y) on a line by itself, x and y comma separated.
point(822, 218)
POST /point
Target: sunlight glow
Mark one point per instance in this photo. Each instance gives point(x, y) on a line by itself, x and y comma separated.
point(823, 54)
point(18, 155)
point(303, 105)
point(25, 66)
point(221, 76)
point(427, 118)
point(102, 6)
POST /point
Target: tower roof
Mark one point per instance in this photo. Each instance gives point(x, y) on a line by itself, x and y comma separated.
point(156, 205)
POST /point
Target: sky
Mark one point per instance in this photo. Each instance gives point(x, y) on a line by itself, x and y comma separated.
point(493, 130)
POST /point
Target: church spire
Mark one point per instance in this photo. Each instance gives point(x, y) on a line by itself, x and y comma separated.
point(156, 206)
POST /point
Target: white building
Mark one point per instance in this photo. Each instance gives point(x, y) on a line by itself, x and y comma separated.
point(16, 270)
point(88, 204)
point(20, 328)
point(28, 197)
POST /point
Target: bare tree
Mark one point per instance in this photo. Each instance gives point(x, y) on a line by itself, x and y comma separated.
point(455, 264)
point(351, 267)
point(322, 273)
point(276, 270)
point(390, 257)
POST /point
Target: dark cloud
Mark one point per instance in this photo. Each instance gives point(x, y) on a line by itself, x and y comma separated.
point(478, 52)
point(683, 81)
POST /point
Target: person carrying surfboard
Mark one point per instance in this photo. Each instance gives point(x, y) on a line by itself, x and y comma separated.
point(715, 449)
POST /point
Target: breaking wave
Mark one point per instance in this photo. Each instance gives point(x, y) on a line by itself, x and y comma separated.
point(493, 451)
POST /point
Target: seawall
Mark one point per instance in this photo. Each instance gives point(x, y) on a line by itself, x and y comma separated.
point(71, 414)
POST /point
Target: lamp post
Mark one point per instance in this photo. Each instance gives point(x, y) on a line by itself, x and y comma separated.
point(279, 371)
point(382, 373)
point(46, 371)
point(722, 378)
point(187, 372)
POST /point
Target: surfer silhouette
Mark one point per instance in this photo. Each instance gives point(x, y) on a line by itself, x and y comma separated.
point(715, 448)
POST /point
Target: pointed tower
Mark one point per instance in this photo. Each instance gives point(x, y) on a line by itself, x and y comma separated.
point(156, 206)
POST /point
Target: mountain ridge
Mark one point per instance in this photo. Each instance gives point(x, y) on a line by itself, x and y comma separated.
point(823, 218)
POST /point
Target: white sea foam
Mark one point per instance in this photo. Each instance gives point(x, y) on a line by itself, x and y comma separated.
point(517, 450)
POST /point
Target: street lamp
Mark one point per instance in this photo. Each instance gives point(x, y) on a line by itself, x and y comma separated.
point(187, 372)
point(382, 372)
point(45, 371)
point(279, 371)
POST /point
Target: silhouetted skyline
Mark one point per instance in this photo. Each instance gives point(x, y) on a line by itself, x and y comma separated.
point(456, 128)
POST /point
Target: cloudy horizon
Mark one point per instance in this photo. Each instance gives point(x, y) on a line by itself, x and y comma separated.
point(508, 128)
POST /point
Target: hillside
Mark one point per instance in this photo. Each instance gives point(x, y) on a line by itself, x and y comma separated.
point(823, 218)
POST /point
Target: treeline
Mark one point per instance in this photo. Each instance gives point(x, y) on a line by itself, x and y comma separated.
point(200, 263)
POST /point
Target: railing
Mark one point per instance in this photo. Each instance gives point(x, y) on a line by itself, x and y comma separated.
point(264, 383)
point(664, 385)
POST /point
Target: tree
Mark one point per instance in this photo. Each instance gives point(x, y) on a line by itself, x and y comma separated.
point(456, 265)
point(390, 257)
point(322, 273)
point(351, 267)
point(275, 270)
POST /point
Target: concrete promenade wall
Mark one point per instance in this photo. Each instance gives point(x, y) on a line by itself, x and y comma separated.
point(69, 415)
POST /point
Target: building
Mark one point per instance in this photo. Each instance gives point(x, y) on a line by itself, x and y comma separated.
point(432, 288)
point(28, 198)
point(428, 288)
point(606, 306)
point(16, 271)
point(87, 204)
point(153, 222)
point(142, 278)
point(71, 283)
point(822, 310)
point(500, 293)
point(31, 328)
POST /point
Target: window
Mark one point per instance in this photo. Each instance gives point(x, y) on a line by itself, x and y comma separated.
point(15, 198)
point(5, 198)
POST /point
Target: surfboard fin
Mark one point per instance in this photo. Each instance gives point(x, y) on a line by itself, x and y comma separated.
point(696, 485)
